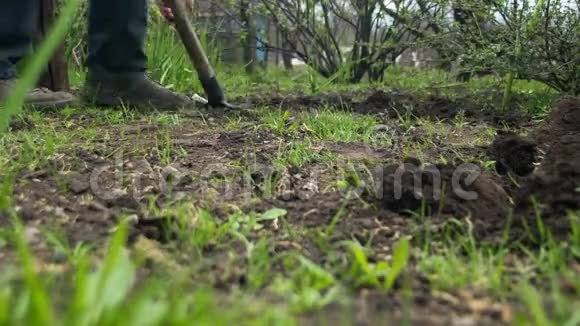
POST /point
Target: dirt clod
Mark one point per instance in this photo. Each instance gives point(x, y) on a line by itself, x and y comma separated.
point(458, 191)
point(79, 183)
point(513, 153)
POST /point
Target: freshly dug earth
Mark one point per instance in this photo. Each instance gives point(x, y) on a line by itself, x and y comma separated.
point(446, 190)
point(464, 190)
point(556, 185)
point(513, 154)
point(562, 121)
point(394, 105)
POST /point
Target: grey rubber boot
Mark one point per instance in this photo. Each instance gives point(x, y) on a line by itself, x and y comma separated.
point(140, 92)
point(40, 98)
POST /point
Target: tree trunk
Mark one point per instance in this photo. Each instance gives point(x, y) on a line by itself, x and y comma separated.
point(287, 55)
point(249, 42)
point(55, 76)
point(361, 49)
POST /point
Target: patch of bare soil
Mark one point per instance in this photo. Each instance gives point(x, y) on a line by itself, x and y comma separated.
point(556, 184)
point(356, 151)
point(394, 104)
point(83, 191)
point(355, 221)
point(300, 101)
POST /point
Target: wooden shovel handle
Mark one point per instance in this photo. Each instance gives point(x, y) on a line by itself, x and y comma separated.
point(190, 40)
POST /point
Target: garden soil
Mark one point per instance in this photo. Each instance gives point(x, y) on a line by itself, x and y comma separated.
point(547, 163)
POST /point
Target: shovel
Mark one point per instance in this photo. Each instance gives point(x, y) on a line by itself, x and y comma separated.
point(206, 74)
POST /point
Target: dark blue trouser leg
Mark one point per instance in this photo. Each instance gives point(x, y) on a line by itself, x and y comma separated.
point(117, 31)
point(16, 27)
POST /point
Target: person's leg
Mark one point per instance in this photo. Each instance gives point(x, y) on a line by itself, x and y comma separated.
point(116, 38)
point(16, 26)
point(17, 18)
point(117, 59)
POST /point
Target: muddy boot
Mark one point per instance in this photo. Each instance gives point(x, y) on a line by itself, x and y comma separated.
point(140, 92)
point(39, 98)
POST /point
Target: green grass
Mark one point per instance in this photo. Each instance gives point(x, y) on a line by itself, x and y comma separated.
point(342, 127)
point(327, 124)
point(302, 153)
point(101, 296)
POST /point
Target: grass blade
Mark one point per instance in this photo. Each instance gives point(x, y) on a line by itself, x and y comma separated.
point(41, 313)
point(401, 256)
point(38, 63)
